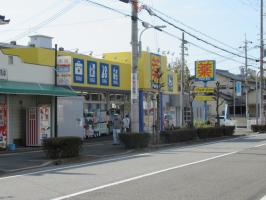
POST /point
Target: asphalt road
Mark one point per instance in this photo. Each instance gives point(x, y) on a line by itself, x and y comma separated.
point(229, 169)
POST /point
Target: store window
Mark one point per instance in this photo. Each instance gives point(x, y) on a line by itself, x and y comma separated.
point(10, 60)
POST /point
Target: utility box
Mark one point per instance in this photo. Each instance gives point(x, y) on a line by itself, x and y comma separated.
point(70, 116)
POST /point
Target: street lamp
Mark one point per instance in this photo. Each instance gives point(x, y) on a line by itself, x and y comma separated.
point(146, 27)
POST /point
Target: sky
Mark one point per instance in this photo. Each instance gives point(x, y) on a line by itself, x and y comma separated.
point(79, 25)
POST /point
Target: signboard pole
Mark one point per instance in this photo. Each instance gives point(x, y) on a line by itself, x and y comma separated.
point(205, 103)
point(55, 98)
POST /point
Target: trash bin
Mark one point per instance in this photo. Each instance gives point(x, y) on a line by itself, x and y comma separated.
point(11, 147)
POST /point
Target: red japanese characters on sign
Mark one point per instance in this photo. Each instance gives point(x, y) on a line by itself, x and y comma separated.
point(205, 70)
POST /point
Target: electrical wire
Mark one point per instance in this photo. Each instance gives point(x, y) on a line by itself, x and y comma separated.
point(45, 22)
point(151, 12)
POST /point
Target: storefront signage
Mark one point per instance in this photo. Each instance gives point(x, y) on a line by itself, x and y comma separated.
point(3, 122)
point(204, 90)
point(155, 70)
point(92, 72)
point(205, 98)
point(104, 74)
point(63, 70)
point(115, 76)
point(3, 73)
point(78, 69)
point(238, 89)
point(205, 70)
point(134, 86)
point(170, 82)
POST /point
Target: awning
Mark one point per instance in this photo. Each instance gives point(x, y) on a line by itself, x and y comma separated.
point(12, 87)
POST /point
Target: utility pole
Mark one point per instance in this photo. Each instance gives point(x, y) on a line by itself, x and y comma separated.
point(261, 64)
point(245, 47)
point(246, 76)
point(182, 81)
point(134, 69)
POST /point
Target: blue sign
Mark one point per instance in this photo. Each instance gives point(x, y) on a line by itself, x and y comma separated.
point(238, 88)
point(104, 74)
point(115, 75)
point(78, 68)
point(92, 72)
point(170, 82)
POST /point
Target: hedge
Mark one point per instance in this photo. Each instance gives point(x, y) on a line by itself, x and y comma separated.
point(179, 135)
point(62, 147)
point(135, 140)
point(229, 130)
point(258, 128)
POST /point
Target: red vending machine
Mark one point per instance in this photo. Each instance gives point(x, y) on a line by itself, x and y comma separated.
point(38, 125)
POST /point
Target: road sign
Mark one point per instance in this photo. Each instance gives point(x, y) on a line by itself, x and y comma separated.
point(204, 90)
point(204, 98)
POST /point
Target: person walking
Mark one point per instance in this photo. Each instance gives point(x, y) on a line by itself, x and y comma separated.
point(117, 125)
point(126, 122)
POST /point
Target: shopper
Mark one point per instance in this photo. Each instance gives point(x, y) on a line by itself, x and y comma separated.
point(117, 125)
point(126, 123)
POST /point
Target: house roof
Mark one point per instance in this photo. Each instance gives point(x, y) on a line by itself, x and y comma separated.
point(226, 73)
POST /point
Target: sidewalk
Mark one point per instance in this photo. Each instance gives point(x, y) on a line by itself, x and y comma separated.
point(29, 158)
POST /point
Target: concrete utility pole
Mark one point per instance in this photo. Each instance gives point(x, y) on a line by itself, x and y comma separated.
point(261, 64)
point(182, 81)
point(245, 47)
point(134, 69)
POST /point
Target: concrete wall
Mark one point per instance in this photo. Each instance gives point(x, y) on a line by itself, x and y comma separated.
point(24, 72)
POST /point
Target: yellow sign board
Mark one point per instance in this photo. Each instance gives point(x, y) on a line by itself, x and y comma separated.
point(205, 70)
point(204, 90)
point(205, 98)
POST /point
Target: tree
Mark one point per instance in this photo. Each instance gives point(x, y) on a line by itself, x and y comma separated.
point(218, 103)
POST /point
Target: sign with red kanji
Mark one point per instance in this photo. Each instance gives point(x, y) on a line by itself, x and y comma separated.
point(205, 70)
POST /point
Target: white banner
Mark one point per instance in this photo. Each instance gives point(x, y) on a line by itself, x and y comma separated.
point(134, 86)
point(63, 70)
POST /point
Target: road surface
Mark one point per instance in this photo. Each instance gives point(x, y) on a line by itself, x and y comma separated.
point(228, 169)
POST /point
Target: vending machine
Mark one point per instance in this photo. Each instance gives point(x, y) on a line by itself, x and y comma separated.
point(38, 125)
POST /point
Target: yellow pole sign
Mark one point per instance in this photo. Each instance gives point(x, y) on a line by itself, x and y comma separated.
point(204, 90)
point(205, 98)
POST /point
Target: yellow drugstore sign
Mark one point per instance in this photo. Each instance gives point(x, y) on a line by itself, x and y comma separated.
point(203, 90)
point(205, 98)
point(155, 70)
point(205, 70)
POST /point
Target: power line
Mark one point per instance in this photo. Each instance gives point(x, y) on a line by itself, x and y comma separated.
point(45, 22)
point(151, 12)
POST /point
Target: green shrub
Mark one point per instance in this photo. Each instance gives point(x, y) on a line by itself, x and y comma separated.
point(210, 132)
point(62, 147)
point(179, 135)
point(135, 140)
point(258, 128)
point(229, 130)
point(201, 124)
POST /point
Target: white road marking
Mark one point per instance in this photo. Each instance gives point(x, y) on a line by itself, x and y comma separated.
point(263, 198)
point(260, 145)
point(141, 176)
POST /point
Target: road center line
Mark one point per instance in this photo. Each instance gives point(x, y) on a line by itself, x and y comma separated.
point(260, 145)
point(141, 176)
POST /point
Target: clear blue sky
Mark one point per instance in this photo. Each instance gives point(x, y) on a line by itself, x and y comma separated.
point(77, 24)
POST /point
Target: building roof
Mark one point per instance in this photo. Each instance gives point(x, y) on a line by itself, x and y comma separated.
point(226, 73)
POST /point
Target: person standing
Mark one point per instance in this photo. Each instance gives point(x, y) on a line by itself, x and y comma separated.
point(126, 122)
point(117, 125)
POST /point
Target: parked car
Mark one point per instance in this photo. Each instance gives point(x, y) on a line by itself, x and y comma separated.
point(226, 122)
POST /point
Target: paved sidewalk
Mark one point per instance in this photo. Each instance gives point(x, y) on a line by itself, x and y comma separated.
point(30, 158)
